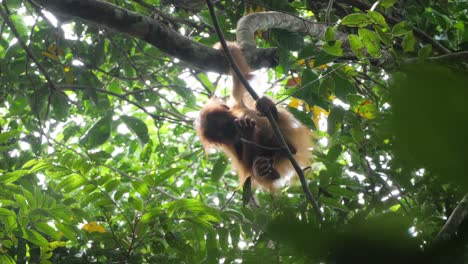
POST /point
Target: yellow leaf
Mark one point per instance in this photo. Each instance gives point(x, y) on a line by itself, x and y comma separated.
point(317, 113)
point(68, 75)
point(301, 62)
point(259, 34)
point(250, 10)
point(56, 244)
point(312, 63)
point(93, 227)
point(295, 103)
point(52, 48)
point(259, 9)
point(366, 109)
point(50, 55)
point(322, 67)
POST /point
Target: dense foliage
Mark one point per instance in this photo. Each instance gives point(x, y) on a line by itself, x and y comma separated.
point(100, 163)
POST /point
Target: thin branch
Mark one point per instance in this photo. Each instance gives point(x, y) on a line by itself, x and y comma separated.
point(454, 221)
point(123, 97)
point(229, 200)
point(260, 146)
point(455, 57)
point(271, 119)
point(311, 82)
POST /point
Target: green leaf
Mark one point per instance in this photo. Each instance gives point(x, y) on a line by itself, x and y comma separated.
point(72, 182)
point(409, 41)
point(20, 26)
point(327, 87)
point(60, 105)
point(401, 28)
point(286, 39)
point(98, 133)
point(303, 117)
point(356, 20)
point(163, 177)
point(324, 58)
point(371, 41)
point(47, 230)
point(13, 176)
point(181, 89)
point(219, 168)
point(192, 206)
point(136, 203)
point(425, 51)
point(334, 49)
point(333, 203)
point(388, 3)
point(7, 259)
point(356, 46)
point(141, 188)
point(377, 18)
point(138, 127)
point(383, 36)
point(335, 120)
point(35, 238)
point(329, 34)
point(66, 231)
point(6, 136)
point(341, 192)
point(6, 213)
point(334, 152)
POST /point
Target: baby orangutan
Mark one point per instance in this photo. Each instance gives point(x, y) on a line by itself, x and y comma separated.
point(240, 128)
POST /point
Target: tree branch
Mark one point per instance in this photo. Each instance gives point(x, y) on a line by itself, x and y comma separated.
point(247, 25)
point(454, 221)
point(145, 28)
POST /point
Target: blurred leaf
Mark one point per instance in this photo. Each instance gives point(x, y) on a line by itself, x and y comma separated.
point(329, 34)
point(401, 28)
point(98, 133)
point(60, 105)
point(335, 120)
point(430, 122)
point(287, 40)
point(35, 238)
point(141, 188)
point(377, 18)
point(425, 51)
point(137, 127)
point(334, 49)
point(408, 42)
point(356, 45)
point(219, 168)
point(388, 3)
point(371, 41)
point(356, 20)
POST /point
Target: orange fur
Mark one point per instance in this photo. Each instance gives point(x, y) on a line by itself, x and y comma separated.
point(294, 132)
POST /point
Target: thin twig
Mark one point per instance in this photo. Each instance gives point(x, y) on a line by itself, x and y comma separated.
point(260, 146)
point(271, 119)
point(123, 97)
point(229, 200)
point(311, 82)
